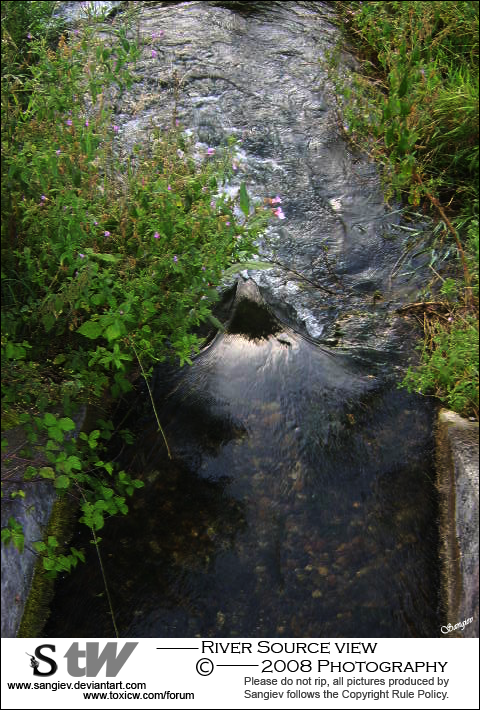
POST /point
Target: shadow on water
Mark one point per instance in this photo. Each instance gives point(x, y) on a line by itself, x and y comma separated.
point(299, 503)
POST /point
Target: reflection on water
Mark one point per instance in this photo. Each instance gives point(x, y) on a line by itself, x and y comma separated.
point(299, 503)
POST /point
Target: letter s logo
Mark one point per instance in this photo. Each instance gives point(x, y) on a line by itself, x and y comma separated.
point(47, 659)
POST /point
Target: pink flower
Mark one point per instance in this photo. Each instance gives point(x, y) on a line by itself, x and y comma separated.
point(169, 187)
point(82, 256)
point(227, 224)
point(235, 166)
point(86, 123)
point(156, 235)
point(279, 213)
point(115, 128)
point(210, 151)
point(276, 200)
point(58, 151)
point(107, 234)
point(69, 122)
point(154, 53)
point(43, 198)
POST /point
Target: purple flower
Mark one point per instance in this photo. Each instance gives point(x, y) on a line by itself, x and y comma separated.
point(107, 234)
point(177, 122)
point(277, 200)
point(175, 258)
point(235, 166)
point(43, 198)
point(203, 268)
point(115, 128)
point(95, 223)
point(227, 224)
point(169, 187)
point(29, 36)
point(69, 122)
point(58, 151)
point(212, 203)
point(210, 151)
point(156, 235)
point(82, 256)
point(279, 213)
point(86, 123)
point(121, 312)
point(154, 53)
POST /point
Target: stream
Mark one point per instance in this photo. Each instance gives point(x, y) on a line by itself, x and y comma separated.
point(300, 501)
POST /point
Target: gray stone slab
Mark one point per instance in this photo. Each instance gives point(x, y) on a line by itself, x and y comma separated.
point(457, 466)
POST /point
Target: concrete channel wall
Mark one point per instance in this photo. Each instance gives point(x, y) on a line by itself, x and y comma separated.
point(457, 482)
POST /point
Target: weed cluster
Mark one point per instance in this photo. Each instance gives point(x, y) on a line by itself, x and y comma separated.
point(109, 264)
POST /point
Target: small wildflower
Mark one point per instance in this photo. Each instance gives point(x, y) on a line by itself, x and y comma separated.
point(235, 166)
point(43, 198)
point(86, 123)
point(276, 200)
point(279, 213)
point(69, 122)
point(95, 223)
point(154, 53)
point(212, 203)
point(210, 151)
point(107, 234)
point(204, 268)
point(29, 36)
point(175, 258)
point(169, 187)
point(115, 128)
point(156, 235)
point(58, 151)
point(121, 312)
point(227, 224)
point(82, 256)
point(177, 122)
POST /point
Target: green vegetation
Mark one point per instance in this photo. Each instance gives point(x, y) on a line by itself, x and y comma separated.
point(109, 263)
point(413, 102)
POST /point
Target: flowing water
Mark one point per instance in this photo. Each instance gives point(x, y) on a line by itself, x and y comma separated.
point(300, 499)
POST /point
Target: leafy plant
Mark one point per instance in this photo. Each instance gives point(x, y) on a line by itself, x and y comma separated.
point(109, 263)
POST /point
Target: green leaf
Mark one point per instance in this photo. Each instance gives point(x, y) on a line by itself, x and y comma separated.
point(62, 482)
point(244, 200)
point(91, 329)
point(48, 563)
point(47, 472)
point(215, 322)
point(66, 424)
point(257, 265)
point(113, 331)
point(39, 546)
point(49, 419)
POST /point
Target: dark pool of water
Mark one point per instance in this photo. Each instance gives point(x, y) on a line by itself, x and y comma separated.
point(300, 502)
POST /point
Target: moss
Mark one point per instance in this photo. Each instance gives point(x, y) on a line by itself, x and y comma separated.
point(37, 607)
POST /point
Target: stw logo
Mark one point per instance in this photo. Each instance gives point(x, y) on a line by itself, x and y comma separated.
point(93, 663)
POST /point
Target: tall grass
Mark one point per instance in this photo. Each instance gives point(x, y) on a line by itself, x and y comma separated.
point(413, 102)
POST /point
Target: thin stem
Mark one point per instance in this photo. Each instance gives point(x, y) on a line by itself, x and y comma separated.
point(109, 599)
point(151, 399)
point(107, 591)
